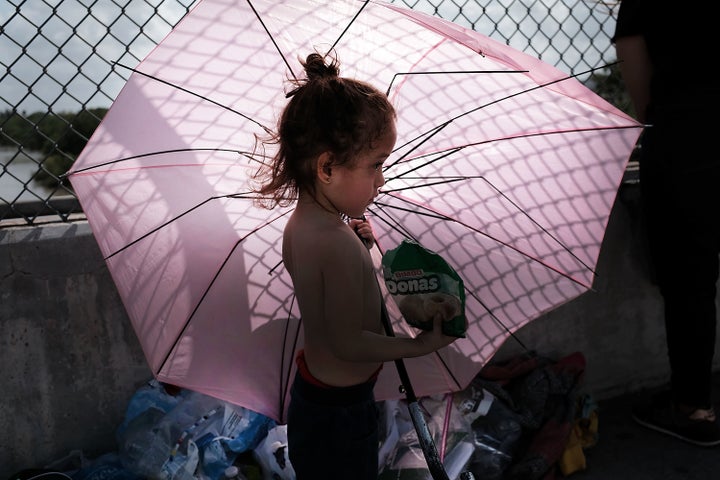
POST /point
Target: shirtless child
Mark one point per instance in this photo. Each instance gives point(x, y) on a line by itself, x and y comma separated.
point(333, 136)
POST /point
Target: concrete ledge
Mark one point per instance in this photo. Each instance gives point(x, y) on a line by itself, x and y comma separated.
point(70, 358)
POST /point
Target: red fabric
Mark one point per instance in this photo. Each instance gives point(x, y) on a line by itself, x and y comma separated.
point(514, 367)
point(305, 372)
point(308, 377)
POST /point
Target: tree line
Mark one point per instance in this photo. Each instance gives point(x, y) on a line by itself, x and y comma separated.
point(60, 137)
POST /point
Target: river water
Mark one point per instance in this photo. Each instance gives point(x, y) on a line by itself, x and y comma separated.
point(15, 173)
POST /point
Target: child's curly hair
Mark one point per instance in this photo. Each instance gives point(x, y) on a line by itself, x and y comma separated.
point(326, 113)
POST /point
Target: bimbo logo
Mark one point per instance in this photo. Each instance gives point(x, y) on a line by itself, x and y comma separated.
point(409, 273)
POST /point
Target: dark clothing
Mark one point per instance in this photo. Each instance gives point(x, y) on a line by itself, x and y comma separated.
point(680, 185)
point(679, 39)
point(681, 196)
point(333, 431)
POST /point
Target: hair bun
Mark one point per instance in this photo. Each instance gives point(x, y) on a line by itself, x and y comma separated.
point(316, 68)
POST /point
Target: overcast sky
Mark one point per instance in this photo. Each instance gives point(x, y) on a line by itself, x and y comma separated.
point(60, 53)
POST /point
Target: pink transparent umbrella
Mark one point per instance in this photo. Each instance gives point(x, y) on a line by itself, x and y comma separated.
point(504, 166)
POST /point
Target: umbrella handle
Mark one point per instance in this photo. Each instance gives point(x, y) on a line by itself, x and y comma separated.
point(437, 469)
point(435, 465)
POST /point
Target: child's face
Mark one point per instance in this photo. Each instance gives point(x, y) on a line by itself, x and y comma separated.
point(359, 181)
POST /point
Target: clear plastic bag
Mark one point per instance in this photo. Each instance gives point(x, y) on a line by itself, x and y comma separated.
point(185, 436)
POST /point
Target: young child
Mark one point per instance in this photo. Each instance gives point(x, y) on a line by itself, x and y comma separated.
point(333, 137)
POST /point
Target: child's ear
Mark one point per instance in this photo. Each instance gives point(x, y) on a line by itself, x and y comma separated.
point(324, 167)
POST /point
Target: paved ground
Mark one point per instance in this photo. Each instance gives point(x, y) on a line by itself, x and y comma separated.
point(627, 451)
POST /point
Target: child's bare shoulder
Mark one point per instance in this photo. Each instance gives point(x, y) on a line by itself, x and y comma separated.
point(321, 241)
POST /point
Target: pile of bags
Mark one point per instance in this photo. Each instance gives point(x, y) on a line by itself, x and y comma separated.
point(169, 433)
point(522, 419)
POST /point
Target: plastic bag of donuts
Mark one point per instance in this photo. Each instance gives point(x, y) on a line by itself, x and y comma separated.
point(424, 285)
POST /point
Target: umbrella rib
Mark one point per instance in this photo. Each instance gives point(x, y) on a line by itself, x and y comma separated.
point(396, 226)
point(522, 92)
point(457, 148)
point(442, 181)
point(480, 232)
point(446, 180)
point(436, 129)
point(496, 318)
point(212, 282)
point(283, 386)
point(177, 217)
point(159, 227)
point(425, 138)
point(202, 97)
point(555, 132)
point(152, 154)
point(272, 39)
point(449, 72)
point(347, 27)
point(442, 154)
point(540, 226)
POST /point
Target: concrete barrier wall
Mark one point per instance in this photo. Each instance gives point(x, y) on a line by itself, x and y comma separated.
point(71, 361)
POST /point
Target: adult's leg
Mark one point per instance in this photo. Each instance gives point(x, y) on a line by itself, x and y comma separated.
point(681, 199)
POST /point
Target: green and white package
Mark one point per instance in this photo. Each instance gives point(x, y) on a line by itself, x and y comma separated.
point(423, 284)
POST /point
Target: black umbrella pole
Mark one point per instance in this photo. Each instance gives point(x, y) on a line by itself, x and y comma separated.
point(437, 470)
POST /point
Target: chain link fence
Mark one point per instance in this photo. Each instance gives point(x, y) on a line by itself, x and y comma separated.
point(60, 73)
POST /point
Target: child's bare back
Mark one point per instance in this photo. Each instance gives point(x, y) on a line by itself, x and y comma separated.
point(336, 286)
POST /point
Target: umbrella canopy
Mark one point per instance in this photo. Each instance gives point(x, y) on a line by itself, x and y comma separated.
point(504, 166)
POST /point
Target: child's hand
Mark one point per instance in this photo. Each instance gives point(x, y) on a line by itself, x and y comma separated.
point(364, 230)
point(435, 338)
